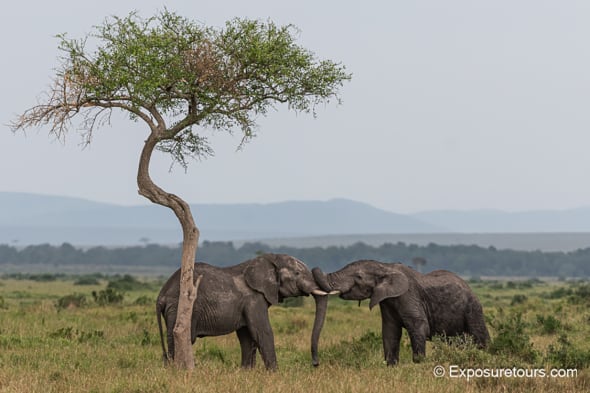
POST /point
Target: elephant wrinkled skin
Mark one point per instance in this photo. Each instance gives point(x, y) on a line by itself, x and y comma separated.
point(237, 298)
point(437, 303)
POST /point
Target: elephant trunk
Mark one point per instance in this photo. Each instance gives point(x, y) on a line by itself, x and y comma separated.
point(321, 279)
point(321, 307)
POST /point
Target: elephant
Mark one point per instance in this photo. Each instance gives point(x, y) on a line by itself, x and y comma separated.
point(437, 303)
point(237, 298)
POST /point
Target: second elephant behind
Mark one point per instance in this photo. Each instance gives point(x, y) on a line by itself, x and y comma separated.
point(437, 303)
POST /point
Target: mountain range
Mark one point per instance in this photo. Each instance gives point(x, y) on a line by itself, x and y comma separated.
point(33, 219)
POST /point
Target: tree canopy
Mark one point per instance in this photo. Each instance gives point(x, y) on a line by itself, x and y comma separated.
point(175, 75)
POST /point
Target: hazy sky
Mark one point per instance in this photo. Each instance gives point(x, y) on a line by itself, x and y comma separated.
point(453, 105)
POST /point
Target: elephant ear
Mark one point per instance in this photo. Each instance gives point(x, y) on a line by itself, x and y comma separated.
point(261, 275)
point(391, 285)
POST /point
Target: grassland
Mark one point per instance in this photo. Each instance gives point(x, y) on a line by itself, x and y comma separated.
point(55, 337)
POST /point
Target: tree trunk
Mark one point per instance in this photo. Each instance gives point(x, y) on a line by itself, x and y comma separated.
point(183, 357)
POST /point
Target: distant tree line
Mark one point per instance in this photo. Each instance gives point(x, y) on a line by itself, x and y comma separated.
point(470, 261)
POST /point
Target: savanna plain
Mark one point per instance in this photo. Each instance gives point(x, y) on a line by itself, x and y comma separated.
point(97, 333)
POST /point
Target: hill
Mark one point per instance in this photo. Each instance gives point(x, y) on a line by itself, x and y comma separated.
point(32, 219)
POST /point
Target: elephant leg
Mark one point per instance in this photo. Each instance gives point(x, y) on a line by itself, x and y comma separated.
point(418, 331)
point(476, 326)
point(170, 319)
point(391, 332)
point(261, 332)
point(248, 347)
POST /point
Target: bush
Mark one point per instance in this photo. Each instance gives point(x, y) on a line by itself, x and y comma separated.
point(549, 324)
point(362, 352)
point(458, 350)
point(67, 333)
point(72, 334)
point(512, 340)
point(566, 355)
point(518, 299)
point(580, 295)
point(108, 296)
point(71, 301)
point(560, 293)
point(127, 283)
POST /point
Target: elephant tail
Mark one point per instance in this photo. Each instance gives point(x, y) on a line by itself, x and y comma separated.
point(159, 313)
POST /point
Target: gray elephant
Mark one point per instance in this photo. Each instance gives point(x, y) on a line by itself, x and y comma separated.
point(237, 298)
point(437, 303)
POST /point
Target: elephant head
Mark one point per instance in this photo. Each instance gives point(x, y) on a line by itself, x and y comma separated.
point(363, 280)
point(279, 276)
point(285, 276)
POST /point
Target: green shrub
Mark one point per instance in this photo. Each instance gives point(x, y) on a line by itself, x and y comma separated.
point(74, 300)
point(107, 296)
point(512, 339)
point(3, 305)
point(566, 355)
point(458, 350)
point(95, 335)
point(72, 334)
point(67, 333)
point(127, 283)
point(362, 352)
point(559, 293)
point(549, 324)
point(518, 299)
point(580, 295)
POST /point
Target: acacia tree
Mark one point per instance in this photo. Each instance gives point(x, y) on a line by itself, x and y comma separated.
point(180, 77)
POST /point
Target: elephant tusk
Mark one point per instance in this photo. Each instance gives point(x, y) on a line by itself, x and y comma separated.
point(318, 292)
point(334, 293)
